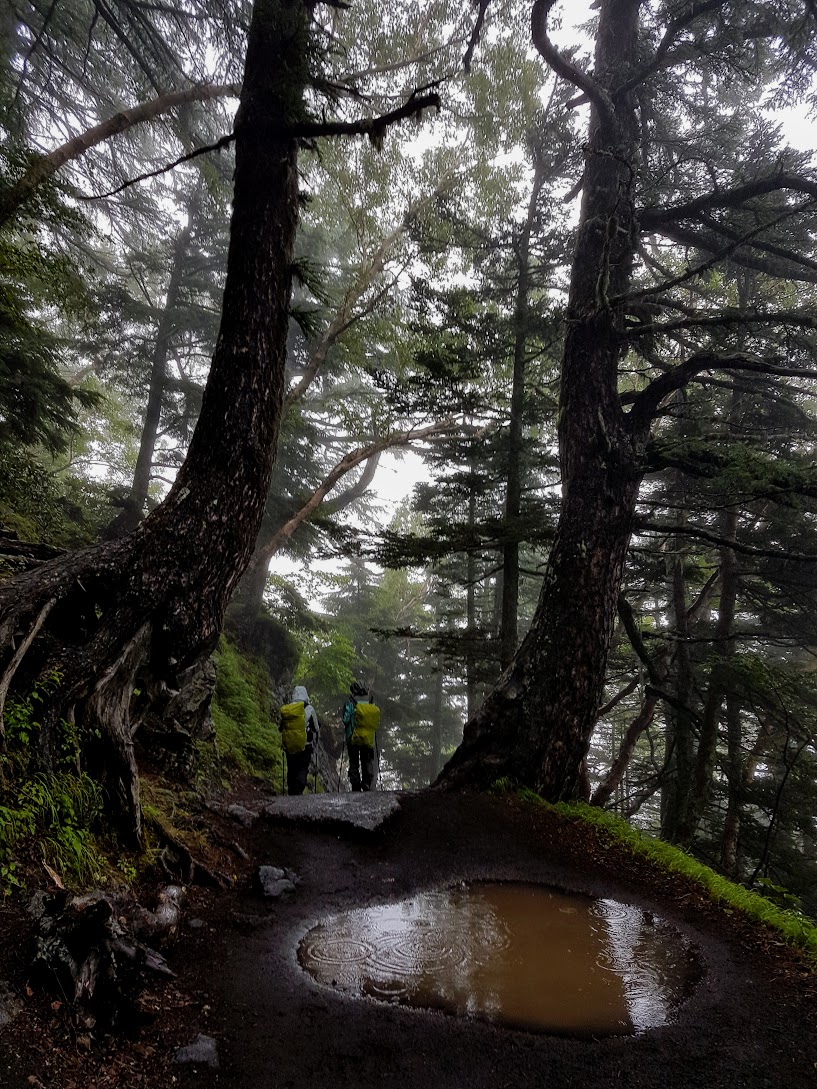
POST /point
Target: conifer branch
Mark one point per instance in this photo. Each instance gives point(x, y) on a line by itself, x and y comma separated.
point(565, 68)
point(801, 319)
point(725, 542)
point(645, 404)
point(652, 218)
point(47, 165)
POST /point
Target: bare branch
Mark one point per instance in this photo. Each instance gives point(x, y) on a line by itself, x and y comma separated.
point(225, 141)
point(801, 319)
point(345, 465)
point(736, 242)
point(710, 242)
point(725, 542)
point(373, 127)
point(565, 68)
point(475, 35)
point(46, 166)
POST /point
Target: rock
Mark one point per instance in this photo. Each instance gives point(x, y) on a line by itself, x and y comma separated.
point(10, 1004)
point(244, 816)
point(203, 1051)
point(275, 882)
point(365, 810)
point(196, 924)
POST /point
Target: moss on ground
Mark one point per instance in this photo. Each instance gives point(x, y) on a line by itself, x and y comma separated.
point(796, 928)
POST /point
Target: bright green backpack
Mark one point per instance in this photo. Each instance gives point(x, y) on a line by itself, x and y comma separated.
point(293, 727)
point(367, 719)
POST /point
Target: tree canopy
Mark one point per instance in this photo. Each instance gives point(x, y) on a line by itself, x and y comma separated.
point(573, 268)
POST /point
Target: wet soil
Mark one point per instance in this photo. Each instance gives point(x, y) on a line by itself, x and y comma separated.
point(749, 1024)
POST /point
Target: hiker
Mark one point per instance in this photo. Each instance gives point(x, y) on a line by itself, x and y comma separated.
point(299, 734)
point(360, 721)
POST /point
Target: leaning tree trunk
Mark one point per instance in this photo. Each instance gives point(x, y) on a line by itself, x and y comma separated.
point(149, 605)
point(536, 724)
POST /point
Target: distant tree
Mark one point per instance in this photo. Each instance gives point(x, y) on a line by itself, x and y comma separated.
point(645, 174)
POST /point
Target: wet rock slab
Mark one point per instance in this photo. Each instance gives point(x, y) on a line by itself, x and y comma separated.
point(203, 1051)
point(367, 811)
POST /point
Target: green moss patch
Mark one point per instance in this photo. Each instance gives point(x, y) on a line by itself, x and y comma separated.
point(796, 928)
point(247, 735)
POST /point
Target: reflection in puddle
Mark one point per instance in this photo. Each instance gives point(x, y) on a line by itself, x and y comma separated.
point(525, 955)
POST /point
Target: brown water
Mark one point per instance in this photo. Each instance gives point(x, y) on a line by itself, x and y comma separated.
point(520, 954)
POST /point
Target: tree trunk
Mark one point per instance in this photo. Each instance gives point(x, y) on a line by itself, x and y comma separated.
point(471, 600)
point(679, 740)
point(437, 721)
point(151, 604)
point(138, 497)
point(731, 824)
point(509, 625)
point(536, 724)
point(725, 649)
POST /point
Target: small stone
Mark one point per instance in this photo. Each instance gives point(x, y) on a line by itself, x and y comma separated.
point(203, 1051)
point(196, 924)
point(244, 816)
point(10, 1005)
point(275, 882)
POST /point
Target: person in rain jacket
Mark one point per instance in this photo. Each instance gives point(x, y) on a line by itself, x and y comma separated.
point(361, 757)
point(298, 763)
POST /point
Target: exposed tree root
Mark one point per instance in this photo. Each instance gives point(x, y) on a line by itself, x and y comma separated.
point(90, 953)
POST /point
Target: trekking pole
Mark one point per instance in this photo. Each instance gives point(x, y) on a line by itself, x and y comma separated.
point(377, 762)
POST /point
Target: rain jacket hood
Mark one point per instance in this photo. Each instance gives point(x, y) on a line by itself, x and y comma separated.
point(299, 693)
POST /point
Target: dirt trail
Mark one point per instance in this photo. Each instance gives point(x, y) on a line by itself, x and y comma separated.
point(749, 1025)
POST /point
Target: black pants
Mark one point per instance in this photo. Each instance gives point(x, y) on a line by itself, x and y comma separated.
point(361, 766)
point(298, 770)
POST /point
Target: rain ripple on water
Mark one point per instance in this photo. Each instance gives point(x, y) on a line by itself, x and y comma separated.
point(522, 954)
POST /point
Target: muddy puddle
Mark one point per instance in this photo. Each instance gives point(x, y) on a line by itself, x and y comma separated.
point(519, 954)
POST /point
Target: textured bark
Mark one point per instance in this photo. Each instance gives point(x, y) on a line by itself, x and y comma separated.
point(642, 721)
point(435, 759)
point(163, 589)
point(471, 604)
point(731, 824)
point(536, 724)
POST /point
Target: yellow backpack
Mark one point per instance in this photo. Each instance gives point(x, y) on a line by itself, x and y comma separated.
point(293, 727)
point(367, 719)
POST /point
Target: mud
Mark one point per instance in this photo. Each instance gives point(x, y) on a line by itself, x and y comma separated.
point(749, 1023)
